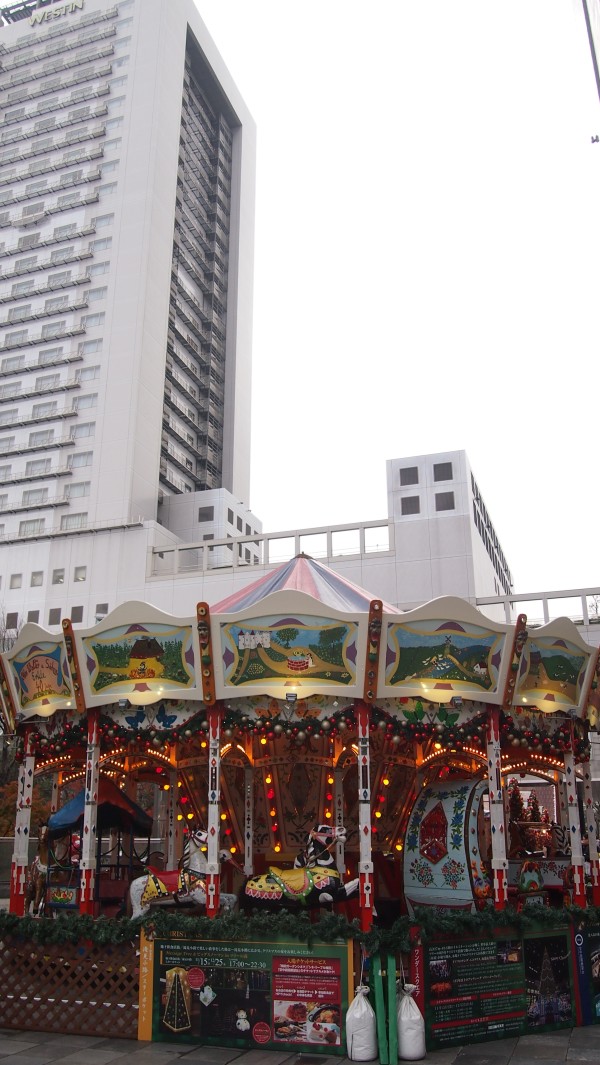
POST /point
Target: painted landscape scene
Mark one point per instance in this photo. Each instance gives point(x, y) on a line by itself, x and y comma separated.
point(442, 654)
point(140, 653)
point(292, 647)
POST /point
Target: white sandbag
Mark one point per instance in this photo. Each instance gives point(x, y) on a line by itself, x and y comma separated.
point(361, 1027)
point(411, 1026)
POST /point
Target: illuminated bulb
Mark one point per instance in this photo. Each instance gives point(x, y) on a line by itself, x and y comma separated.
point(179, 784)
point(330, 780)
point(385, 782)
point(377, 813)
point(190, 816)
point(166, 787)
point(268, 779)
point(263, 740)
point(223, 817)
point(277, 848)
point(327, 813)
point(273, 813)
point(233, 848)
point(180, 817)
point(203, 744)
point(398, 846)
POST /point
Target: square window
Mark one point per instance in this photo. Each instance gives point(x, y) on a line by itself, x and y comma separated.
point(206, 514)
point(34, 616)
point(444, 501)
point(101, 608)
point(411, 505)
point(54, 615)
point(409, 475)
point(12, 620)
point(16, 580)
point(76, 614)
point(58, 576)
point(80, 573)
point(37, 578)
point(442, 471)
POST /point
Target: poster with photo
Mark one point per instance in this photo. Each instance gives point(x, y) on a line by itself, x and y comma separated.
point(549, 981)
point(246, 995)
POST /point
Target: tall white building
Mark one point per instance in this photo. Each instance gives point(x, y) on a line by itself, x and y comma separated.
point(127, 162)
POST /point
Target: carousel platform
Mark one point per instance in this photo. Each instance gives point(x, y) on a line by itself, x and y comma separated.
point(23, 1048)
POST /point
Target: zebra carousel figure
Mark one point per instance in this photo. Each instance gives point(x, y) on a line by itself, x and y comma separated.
point(313, 881)
point(185, 885)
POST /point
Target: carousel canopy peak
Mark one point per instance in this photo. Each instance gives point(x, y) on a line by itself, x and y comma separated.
point(302, 574)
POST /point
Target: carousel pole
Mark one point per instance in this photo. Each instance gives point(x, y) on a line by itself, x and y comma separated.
point(172, 855)
point(20, 858)
point(592, 835)
point(579, 897)
point(365, 857)
point(338, 798)
point(55, 794)
point(494, 757)
point(248, 820)
point(499, 860)
point(213, 869)
point(89, 833)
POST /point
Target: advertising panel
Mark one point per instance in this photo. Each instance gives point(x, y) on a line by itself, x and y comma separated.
point(245, 994)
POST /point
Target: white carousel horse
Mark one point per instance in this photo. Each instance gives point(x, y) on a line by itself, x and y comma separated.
point(37, 875)
point(314, 880)
point(185, 885)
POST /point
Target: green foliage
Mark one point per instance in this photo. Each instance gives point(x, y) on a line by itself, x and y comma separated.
point(285, 636)
point(71, 928)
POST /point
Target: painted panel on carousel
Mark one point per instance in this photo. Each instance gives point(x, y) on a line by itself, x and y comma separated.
point(438, 659)
point(140, 662)
point(446, 843)
point(38, 674)
point(302, 649)
point(552, 673)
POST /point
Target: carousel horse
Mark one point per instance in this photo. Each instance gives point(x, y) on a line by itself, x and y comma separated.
point(314, 879)
point(185, 885)
point(37, 875)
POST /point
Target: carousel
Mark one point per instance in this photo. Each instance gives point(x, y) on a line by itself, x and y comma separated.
point(307, 746)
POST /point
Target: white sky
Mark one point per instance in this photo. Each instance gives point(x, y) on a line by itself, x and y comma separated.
point(427, 260)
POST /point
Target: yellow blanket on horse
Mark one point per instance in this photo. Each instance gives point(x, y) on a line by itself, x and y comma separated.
point(293, 883)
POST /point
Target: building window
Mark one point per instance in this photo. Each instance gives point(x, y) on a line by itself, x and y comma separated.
point(240, 524)
point(58, 576)
point(444, 501)
point(409, 475)
point(411, 505)
point(32, 527)
point(16, 580)
point(34, 497)
point(101, 609)
point(12, 620)
point(442, 471)
point(7, 417)
point(85, 402)
point(5, 472)
point(206, 514)
point(34, 616)
point(37, 467)
point(76, 614)
point(44, 410)
point(79, 432)
point(6, 444)
point(54, 615)
point(37, 578)
point(80, 573)
point(39, 439)
point(73, 521)
point(84, 458)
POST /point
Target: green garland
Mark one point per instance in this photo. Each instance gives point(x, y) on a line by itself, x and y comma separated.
point(73, 928)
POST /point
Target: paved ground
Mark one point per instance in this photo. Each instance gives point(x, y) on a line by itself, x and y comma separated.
point(39, 1048)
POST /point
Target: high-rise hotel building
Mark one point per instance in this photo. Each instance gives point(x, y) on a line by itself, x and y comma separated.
point(127, 162)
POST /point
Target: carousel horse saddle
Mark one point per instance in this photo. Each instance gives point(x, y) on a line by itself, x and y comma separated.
point(293, 883)
point(163, 883)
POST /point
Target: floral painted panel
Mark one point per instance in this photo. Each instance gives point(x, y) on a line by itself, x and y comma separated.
point(282, 648)
point(448, 655)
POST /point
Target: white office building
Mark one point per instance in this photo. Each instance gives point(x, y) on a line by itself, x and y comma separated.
point(127, 162)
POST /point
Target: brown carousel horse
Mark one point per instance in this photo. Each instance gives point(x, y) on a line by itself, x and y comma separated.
point(37, 875)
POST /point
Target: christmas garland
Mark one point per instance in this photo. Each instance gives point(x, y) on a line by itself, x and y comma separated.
point(74, 928)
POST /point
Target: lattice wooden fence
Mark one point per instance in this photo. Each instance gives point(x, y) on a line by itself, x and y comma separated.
point(70, 988)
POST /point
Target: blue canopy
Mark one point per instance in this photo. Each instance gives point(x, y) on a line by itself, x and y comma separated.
point(115, 810)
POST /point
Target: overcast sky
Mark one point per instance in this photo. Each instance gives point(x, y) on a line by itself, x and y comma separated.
point(427, 260)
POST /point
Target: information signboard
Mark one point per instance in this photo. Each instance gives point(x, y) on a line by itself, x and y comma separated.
point(268, 994)
point(475, 991)
point(587, 956)
point(549, 981)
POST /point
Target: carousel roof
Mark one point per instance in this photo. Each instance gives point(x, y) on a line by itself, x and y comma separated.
point(115, 810)
point(302, 574)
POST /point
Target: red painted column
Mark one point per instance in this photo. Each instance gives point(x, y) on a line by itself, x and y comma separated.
point(213, 868)
point(365, 863)
point(89, 834)
point(499, 860)
point(20, 858)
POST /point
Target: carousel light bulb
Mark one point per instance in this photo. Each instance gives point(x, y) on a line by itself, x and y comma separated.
point(385, 781)
point(263, 740)
point(190, 816)
point(327, 813)
point(273, 812)
point(166, 787)
point(330, 780)
point(179, 784)
point(277, 848)
point(223, 817)
point(204, 743)
point(233, 849)
point(377, 813)
point(268, 779)
point(398, 846)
